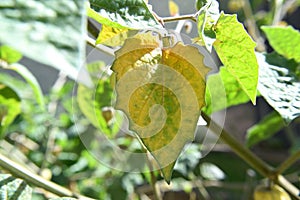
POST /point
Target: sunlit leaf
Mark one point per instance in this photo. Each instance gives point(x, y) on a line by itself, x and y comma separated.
point(162, 92)
point(13, 188)
point(223, 91)
point(9, 55)
point(263, 130)
point(95, 102)
point(284, 40)
point(34, 28)
point(236, 51)
point(207, 19)
point(280, 88)
point(133, 14)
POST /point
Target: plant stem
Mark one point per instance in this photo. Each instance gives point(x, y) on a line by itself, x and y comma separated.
point(177, 18)
point(288, 162)
point(255, 162)
point(100, 47)
point(23, 173)
point(252, 27)
point(281, 180)
point(155, 189)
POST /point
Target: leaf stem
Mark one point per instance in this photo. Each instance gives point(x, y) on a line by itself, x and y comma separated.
point(288, 162)
point(294, 191)
point(100, 47)
point(252, 27)
point(254, 161)
point(156, 191)
point(23, 173)
point(177, 18)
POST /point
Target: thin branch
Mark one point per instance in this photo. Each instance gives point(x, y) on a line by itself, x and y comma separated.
point(23, 173)
point(254, 161)
point(156, 190)
point(252, 27)
point(294, 191)
point(100, 47)
point(177, 18)
point(288, 162)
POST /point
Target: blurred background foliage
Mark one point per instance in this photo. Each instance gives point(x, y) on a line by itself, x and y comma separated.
point(45, 137)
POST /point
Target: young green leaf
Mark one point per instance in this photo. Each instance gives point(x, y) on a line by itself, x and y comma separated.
point(162, 92)
point(207, 18)
point(13, 188)
point(280, 88)
point(222, 91)
point(267, 127)
point(9, 55)
point(284, 40)
point(236, 51)
point(35, 29)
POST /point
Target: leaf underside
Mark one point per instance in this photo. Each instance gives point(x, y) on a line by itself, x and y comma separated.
point(280, 88)
point(161, 91)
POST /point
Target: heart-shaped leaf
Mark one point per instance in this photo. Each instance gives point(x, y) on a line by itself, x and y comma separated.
point(161, 90)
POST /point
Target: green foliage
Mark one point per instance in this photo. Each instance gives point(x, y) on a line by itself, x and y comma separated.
point(35, 29)
point(132, 14)
point(27, 75)
point(10, 107)
point(236, 51)
point(284, 40)
point(95, 103)
point(207, 19)
point(9, 55)
point(223, 91)
point(265, 129)
point(13, 188)
point(280, 88)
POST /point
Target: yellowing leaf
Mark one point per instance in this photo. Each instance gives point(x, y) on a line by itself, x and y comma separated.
point(161, 90)
point(173, 8)
point(236, 51)
point(112, 36)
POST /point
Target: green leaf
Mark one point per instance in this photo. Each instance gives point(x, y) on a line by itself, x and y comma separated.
point(236, 51)
point(95, 102)
point(263, 130)
point(10, 107)
point(28, 76)
point(284, 40)
point(223, 91)
point(13, 188)
point(200, 4)
point(280, 88)
point(62, 198)
point(9, 55)
point(22, 90)
point(132, 14)
point(50, 32)
point(162, 92)
point(207, 18)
